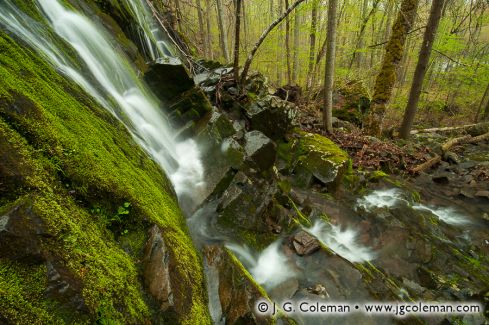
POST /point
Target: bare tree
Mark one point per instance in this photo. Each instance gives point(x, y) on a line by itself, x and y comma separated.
point(263, 36)
point(424, 57)
point(202, 28)
point(222, 32)
point(312, 42)
point(295, 66)
point(209, 34)
point(329, 74)
point(237, 4)
point(386, 78)
point(287, 45)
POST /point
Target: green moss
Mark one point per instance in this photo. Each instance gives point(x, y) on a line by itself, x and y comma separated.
point(309, 154)
point(73, 156)
point(22, 294)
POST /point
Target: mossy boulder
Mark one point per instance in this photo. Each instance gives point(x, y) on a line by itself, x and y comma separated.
point(310, 156)
point(95, 193)
point(352, 100)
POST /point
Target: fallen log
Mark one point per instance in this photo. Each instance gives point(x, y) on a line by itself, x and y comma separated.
point(472, 129)
point(445, 147)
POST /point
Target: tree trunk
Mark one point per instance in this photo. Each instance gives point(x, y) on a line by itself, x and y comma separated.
point(312, 43)
point(481, 104)
point(209, 33)
point(287, 45)
point(386, 78)
point(263, 36)
point(486, 112)
point(295, 67)
point(424, 57)
point(222, 32)
point(202, 29)
point(244, 18)
point(329, 74)
point(178, 15)
point(237, 4)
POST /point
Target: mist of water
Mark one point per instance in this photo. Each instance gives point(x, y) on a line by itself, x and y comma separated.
point(112, 80)
point(343, 241)
point(269, 268)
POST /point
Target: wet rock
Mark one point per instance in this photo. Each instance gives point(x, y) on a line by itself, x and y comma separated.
point(244, 203)
point(156, 273)
point(285, 290)
point(260, 149)
point(21, 231)
point(304, 244)
point(271, 115)
point(236, 292)
point(168, 79)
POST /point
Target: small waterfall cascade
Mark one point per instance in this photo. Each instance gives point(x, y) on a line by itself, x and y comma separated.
point(149, 32)
point(343, 241)
point(109, 77)
point(269, 268)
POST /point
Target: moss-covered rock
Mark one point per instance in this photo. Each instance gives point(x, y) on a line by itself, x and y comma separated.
point(93, 189)
point(311, 156)
point(237, 291)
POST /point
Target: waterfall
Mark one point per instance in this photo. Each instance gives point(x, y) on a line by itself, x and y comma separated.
point(111, 79)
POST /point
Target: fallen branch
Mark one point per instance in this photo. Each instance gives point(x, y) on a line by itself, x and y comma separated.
point(452, 142)
point(427, 164)
point(479, 138)
point(445, 147)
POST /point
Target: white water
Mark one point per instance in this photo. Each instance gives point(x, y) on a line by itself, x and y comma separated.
point(150, 33)
point(445, 214)
point(113, 83)
point(269, 268)
point(387, 198)
point(342, 241)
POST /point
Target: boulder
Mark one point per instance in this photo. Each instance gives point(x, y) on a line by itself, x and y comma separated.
point(271, 115)
point(243, 204)
point(168, 79)
point(311, 157)
point(156, 272)
point(260, 149)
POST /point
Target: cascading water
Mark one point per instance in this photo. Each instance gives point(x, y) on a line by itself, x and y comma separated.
point(149, 32)
point(342, 241)
point(113, 82)
point(269, 268)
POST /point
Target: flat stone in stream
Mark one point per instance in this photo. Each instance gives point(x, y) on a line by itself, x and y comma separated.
point(304, 244)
